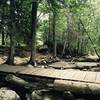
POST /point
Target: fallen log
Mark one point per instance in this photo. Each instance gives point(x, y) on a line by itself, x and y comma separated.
point(33, 85)
point(19, 81)
point(77, 87)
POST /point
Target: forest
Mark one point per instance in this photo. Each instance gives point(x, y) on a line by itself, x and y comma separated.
point(37, 33)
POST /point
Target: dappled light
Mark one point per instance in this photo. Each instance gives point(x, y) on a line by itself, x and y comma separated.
point(50, 50)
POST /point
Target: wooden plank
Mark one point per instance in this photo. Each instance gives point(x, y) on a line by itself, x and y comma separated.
point(25, 70)
point(50, 73)
point(29, 70)
point(20, 68)
point(37, 72)
point(41, 72)
point(34, 71)
point(63, 73)
point(57, 73)
point(75, 75)
point(7, 68)
point(78, 75)
point(70, 75)
point(97, 78)
point(90, 77)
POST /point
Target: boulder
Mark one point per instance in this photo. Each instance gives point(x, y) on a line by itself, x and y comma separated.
point(36, 95)
point(7, 94)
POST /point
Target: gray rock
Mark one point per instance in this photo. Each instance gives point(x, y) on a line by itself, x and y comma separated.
point(7, 94)
point(36, 95)
point(30, 66)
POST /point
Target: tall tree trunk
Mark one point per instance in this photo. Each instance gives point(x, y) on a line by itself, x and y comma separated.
point(12, 28)
point(54, 36)
point(3, 35)
point(49, 33)
point(33, 33)
point(10, 59)
point(68, 33)
point(78, 46)
point(3, 38)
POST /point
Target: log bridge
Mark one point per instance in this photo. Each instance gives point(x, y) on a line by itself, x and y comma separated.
point(76, 81)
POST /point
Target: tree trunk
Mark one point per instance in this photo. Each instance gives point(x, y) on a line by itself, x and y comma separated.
point(49, 33)
point(10, 59)
point(64, 47)
point(77, 47)
point(21, 82)
point(3, 35)
point(54, 35)
point(33, 33)
point(12, 28)
point(77, 87)
point(3, 38)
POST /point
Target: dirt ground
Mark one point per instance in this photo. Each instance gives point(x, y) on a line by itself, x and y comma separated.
point(40, 58)
point(47, 58)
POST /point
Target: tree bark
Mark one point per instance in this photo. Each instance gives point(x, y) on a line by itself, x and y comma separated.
point(10, 59)
point(49, 33)
point(54, 35)
point(33, 33)
point(18, 81)
point(37, 83)
point(12, 29)
point(3, 35)
point(3, 38)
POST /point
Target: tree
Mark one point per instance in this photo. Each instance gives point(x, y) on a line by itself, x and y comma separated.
point(33, 33)
point(54, 34)
point(3, 35)
point(12, 29)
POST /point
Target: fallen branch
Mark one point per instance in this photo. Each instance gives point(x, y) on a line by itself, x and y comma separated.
point(28, 85)
point(19, 81)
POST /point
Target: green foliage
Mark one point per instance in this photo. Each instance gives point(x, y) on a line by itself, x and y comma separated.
point(68, 26)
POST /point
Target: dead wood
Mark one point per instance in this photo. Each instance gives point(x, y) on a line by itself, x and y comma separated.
point(20, 82)
point(77, 87)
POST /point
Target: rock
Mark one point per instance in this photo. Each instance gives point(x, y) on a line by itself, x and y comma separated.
point(4, 58)
point(36, 95)
point(30, 66)
point(7, 94)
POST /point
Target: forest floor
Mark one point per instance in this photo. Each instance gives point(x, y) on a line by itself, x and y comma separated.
point(45, 60)
point(22, 56)
point(48, 59)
